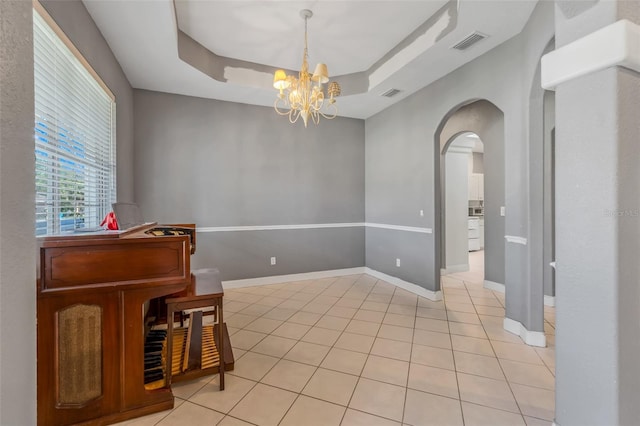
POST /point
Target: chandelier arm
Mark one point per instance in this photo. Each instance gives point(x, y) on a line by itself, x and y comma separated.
point(319, 103)
point(278, 110)
point(328, 114)
point(315, 116)
point(294, 114)
point(303, 97)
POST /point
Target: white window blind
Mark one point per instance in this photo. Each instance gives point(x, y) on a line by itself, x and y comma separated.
point(74, 136)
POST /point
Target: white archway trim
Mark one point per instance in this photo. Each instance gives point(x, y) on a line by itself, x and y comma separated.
point(459, 150)
point(531, 338)
point(617, 44)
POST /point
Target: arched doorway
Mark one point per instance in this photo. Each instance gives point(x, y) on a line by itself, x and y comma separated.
point(464, 208)
point(485, 120)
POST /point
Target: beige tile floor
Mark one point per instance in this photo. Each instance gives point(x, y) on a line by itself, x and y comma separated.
point(358, 351)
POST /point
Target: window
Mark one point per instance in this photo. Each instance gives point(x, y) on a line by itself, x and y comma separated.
point(74, 134)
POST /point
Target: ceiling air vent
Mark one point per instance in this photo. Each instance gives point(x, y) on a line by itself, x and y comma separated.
point(469, 41)
point(390, 93)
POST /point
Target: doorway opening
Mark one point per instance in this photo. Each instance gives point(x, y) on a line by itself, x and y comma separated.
point(481, 123)
point(464, 208)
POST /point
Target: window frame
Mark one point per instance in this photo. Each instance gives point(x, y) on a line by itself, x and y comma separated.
point(84, 213)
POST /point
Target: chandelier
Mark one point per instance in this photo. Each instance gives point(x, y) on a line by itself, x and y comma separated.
point(300, 97)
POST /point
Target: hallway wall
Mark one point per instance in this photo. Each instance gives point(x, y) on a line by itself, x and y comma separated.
point(598, 273)
point(549, 254)
point(400, 161)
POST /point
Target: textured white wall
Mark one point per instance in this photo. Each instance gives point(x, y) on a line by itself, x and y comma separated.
point(598, 274)
point(17, 217)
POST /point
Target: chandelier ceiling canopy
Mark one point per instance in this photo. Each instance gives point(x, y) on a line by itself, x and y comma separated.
point(304, 96)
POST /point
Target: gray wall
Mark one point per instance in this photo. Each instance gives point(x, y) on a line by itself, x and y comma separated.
point(17, 217)
point(384, 246)
point(532, 297)
point(78, 25)
point(400, 159)
point(549, 254)
point(221, 164)
point(524, 301)
point(399, 185)
point(598, 274)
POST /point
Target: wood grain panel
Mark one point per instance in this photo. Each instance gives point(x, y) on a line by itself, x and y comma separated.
point(115, 263)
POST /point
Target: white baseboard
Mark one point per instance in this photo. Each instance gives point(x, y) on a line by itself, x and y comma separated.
point(548, 300)
point(531, 338)
point(494, 286)
point(452, 269)
point(413, 288)
point(277, 279)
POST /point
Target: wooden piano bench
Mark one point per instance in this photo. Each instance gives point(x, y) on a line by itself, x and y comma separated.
point(198, 350)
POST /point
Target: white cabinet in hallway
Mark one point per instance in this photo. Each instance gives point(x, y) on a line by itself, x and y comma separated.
point(473, 230)
point(476, 186)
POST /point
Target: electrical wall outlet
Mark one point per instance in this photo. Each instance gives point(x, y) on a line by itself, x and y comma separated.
point(273, 260)
point(398, 263)
point(502, 210)
point(421, 213)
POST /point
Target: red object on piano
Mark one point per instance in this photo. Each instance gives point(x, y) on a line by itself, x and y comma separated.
point(110, 221)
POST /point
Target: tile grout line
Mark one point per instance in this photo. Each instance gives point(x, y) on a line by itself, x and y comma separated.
point(455, 368)
point(406, 387)
point(499, 365)
point(365, 364)
point(365, 361)
point(342, 331)
point(279, 358)
point(269, 370)
point(317, 367)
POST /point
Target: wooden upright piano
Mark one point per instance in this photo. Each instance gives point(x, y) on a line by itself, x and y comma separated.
point(94, 292)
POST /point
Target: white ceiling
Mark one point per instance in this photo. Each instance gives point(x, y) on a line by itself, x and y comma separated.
point(348, 35)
